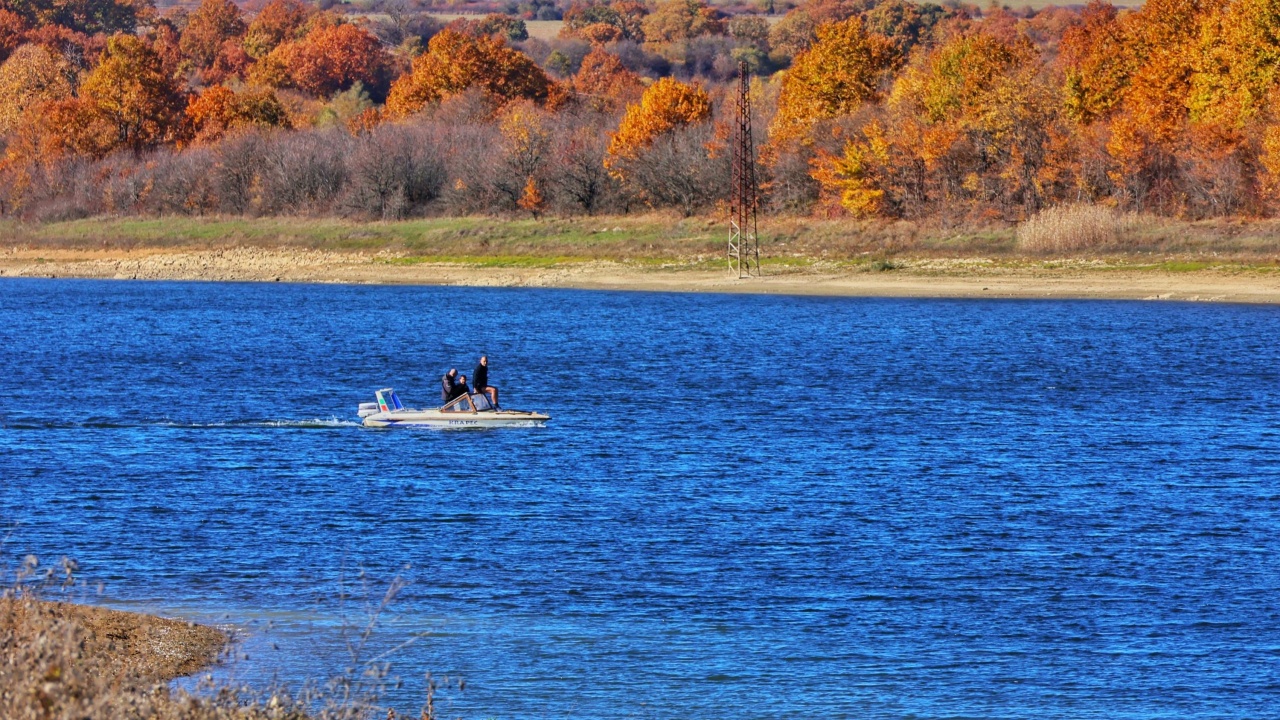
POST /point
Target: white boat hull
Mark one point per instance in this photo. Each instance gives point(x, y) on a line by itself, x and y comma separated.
point(436, 418)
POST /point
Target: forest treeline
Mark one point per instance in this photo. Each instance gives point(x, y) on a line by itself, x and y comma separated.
point(890, 109)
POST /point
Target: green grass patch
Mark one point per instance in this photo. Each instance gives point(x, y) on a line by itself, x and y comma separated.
point(488, 261)
point(1185, 266)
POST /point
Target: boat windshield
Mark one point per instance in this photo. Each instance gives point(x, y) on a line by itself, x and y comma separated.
point(387, 400)
point(481, 402)
point(462, 404)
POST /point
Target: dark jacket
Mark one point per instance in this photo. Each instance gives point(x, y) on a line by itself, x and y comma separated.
point(460, 389)
point(480, 378)
point(446, 388)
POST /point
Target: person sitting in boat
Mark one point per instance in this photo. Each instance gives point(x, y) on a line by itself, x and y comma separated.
point(481, 384)
point(460, 388)
point(447, 383)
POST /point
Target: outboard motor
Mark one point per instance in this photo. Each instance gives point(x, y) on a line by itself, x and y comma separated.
point(367, 409)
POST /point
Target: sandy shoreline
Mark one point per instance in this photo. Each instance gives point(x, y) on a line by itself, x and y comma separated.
point(925, 278)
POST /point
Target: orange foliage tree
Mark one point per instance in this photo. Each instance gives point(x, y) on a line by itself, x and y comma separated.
point(1237, 63)
point(278, 22)
point(604, 84)
point(86, 16)
point(840, 72)
point(32, 75)
point(231, 62)
point(1096, 66)
point(455, 61)
point(329, 59)
point(212, 24)
point(675, 20)
point(971, 127)
point(598, 22)
point(128, 95)
point(531, 198)
point(666, 105)
point(218, 110)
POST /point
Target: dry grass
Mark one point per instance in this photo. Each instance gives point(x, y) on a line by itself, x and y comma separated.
point(60, 661)
point(657, 239)
point(141, 646)
point(63, 662)
point(1069, 229)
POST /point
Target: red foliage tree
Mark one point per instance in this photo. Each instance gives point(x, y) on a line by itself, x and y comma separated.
point(332, 58)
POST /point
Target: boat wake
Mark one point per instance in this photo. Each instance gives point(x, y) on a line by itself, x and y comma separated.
point(312, 423)
point(306, 424)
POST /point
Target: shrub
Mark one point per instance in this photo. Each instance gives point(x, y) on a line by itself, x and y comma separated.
point(303, 172)
point(394, 171)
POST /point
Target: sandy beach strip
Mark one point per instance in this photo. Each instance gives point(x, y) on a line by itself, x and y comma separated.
point(918, 278)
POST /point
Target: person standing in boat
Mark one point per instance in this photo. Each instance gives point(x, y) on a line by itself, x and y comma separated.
point(481, 377)
point(447, 386)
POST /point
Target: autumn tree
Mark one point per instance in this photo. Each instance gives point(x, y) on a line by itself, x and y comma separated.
point(840, 72)
point(1096, 64)
point(604, 84)
point(13, 32)
point(85, 16)
point(666, 105)
point(218, 111)
point(1161, 37)
point(278, 22)
point(531, 198)
point(32, 75)
point(130, 95)
point(212, 24)
point(1152, 119)
point(455, 62)
point(330, 58)
point(598, 22)
point(988, 110)
point(798, 29)
point(1237, 63)
point(675, 20)
point(685, 168)
point(504, 26)
point(906, 24)
point(792, 35)
point(751, 29)
point(1269, 159)
point(231, 62)
point(855, 177)
point(970, 130)
point(79, 49)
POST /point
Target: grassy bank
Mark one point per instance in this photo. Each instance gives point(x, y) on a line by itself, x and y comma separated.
point(1139, 242)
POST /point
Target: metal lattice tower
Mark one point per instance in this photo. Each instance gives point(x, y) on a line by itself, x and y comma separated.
point(744, 246)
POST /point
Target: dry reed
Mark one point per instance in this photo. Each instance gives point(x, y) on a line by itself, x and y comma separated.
point(1072, 229)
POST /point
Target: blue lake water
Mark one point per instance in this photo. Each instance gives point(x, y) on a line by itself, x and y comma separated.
point(743, 506)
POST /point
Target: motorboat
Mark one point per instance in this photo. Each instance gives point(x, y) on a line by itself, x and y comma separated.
point(470, 410)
